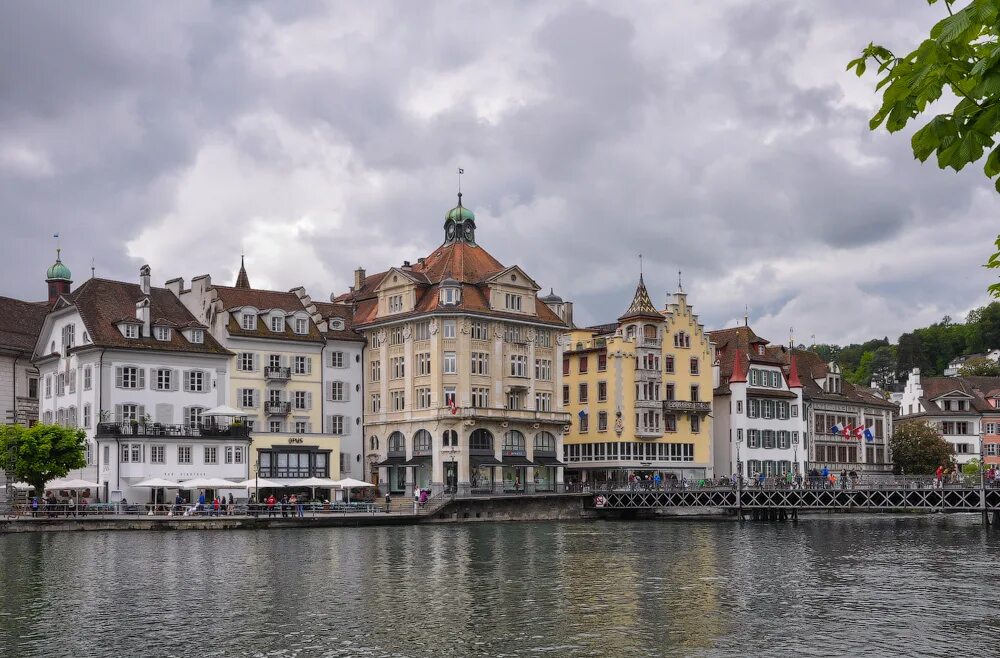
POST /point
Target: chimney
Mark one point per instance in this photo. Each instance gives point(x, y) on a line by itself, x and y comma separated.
point(406, 265)
point(142, 315)
point(144, 279)
point(421, 260)
point(359, 278)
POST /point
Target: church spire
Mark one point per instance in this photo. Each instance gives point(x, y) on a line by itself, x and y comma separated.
point(242, 280)
point(641, 304)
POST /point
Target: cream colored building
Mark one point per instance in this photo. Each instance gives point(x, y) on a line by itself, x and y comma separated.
point(461, 372)
point(639, 392)
point(276, 378)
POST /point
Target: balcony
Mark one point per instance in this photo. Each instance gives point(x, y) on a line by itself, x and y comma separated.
point(277, 373)
point(490, 413)
point(648, 433)
point(686, 406)
point(155, 430)
point(647, 404)
point(277, 408)
point(650, 342)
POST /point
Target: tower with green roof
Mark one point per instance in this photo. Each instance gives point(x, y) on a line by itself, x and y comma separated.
point(59, 279)
point(460, 224)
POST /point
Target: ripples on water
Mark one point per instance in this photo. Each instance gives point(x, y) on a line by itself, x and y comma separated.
point(825, 587)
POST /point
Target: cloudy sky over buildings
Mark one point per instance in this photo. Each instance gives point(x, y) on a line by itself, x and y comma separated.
point(724, 139)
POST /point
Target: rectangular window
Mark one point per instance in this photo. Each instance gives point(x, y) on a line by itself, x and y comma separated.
point(543, 370)
point(480, 330)
point(197, 336)
point(376, 403)
point(398, 365)
point(602, 421)
point(583, 392)
point(449, 396)
point(423, 397)
point(248, 398)
point(376, 370)
point(565, 366)
point(518, 365)
point(513, 302)
point(480, 363)
point(275, 427)
point(337, 425)
point(753, 439)
point(396, 336)
point(584, 423)
point(583, 365)
point(338, 392)
point(196, 381)
point(301, 427)
point(449, 328)
point(543, 401)
point(695, 423)
point(450, 363)
point(129, 377)
point(668, 364)
point(423, 363)
point(670, 422)
point(565, 395)
point(131, 331)
point(246, 361)
point(336, 359)
point(602, 362)
point(480, 397)
point(164, 379)
point(422, 331)
point(157, 454)
point(86, 415)
point(398, 400)
point(277, 324)
point(162, 333)
point(249, 321)
point(194, 416)
point(211, 455)
point(301, 365)
point(694, 394)
point(395, 303)
point(301, 326)
point(602, 391)
point(694, 365)
point(88, 379)
point(183, 454)
point(515, 400)
point(301, 400)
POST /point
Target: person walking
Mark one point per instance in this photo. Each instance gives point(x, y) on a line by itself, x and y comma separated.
point(201, 501)
point(656, 481)
point(231, 506)
point(271, 502)
point(416, 498)
point(843, 479)
point(938, 475)
point(284, 506)
point(388, 502)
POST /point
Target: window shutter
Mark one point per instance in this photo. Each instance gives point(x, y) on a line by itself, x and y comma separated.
point(141, 377)
point(175, 380)
point(239, 398)
point(329, 424)
point(256, 361)
point(309, 365)
point(185, 415)
point(118, 376)
point(346, 426)
point(256, 398)
point(309, 427)
point(118, 407)
point(187, 380)
point(165, 413)
point(140, 411)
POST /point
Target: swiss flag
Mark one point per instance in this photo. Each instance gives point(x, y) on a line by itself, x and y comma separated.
point(847, 431)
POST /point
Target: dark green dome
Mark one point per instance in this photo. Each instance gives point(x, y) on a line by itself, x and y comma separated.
point(58, 271)
point(459, 213)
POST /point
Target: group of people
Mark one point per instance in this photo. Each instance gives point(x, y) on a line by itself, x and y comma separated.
point(50, 505)
point(289, 505)
point(217, 506)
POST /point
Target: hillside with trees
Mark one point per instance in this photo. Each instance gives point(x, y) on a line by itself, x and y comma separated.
point(928, 348)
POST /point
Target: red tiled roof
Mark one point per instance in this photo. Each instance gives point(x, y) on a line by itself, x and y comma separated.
point(470, 265)
point(810, 366)
point(975, 387)
point(101, 303)
point(343, 312)
point(20, 323)
point(259, 299)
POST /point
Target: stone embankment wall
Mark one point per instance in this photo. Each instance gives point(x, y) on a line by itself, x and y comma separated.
point(567, 507)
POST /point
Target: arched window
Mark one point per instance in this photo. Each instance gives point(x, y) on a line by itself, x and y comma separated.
point(422, 441)
point(545, 442)
point(513, 441)
point(449, 438)
point(373, 443)
point(397, 442)
point(481, 439)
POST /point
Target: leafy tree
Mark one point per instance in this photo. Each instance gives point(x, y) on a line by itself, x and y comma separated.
point(971, 468)
point(994, 264)
point(980, 367)
point(961, 55)
point(884, 366)
point(42, 453)
point(918, 448)
point(862, 375)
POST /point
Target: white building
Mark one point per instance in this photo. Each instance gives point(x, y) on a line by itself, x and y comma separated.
point(759, 424)
point(956, 364)
point(954, 405)
point(129, 364)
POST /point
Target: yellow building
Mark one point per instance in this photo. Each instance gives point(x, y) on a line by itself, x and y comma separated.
point(639, 392)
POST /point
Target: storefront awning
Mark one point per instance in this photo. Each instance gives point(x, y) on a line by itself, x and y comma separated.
point(417, 461)
point(393, 461)
point(543, 460)
point(517, 460)
point(485, 460)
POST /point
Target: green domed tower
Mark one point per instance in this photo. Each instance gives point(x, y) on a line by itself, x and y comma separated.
point(59, 279)
point(460, 224)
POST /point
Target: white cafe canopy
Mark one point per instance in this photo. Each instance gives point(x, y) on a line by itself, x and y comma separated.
point(60, 483)
point(259, 483)
point(209, 483)
point(224, 410)
point(325, 483)
point(351, 483)
point(156, 483)
point(22, 486)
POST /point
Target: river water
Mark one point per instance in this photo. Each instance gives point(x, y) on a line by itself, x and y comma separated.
point(827, 586)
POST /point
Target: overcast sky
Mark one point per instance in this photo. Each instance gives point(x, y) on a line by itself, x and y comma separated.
point(724, 139)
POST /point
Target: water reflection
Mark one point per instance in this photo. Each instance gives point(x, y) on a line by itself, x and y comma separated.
point(832, 586)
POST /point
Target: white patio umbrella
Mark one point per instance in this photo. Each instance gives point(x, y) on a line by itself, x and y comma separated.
point(224, 410)
point(351, 483)
point(22, 486)
point(60, 483)
point(259, 483)
point(157, 483)
point(313, 484)
point(209, 483)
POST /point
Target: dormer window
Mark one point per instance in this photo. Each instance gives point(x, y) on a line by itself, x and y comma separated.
point(512, 302)
point(337, 325)
point(197, 336)
point(277, 324)
point(395, 303)
point(301, 326)
point(250, 321)
point(131, 331)
point(760, 349)
point(161, 333)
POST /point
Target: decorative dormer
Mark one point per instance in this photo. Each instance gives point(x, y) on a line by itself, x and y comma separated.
point(450, 291)
point(833, 382)
point(460, 224)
